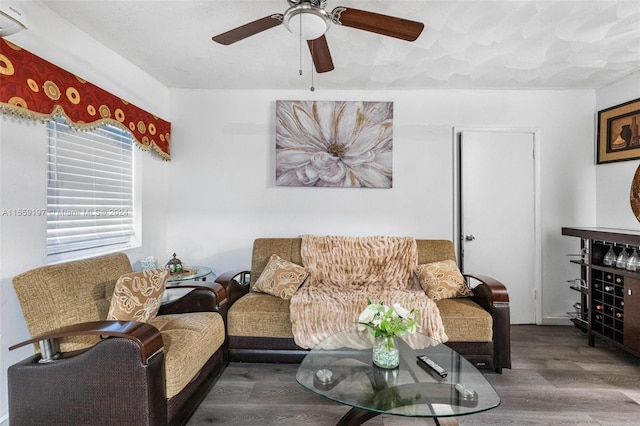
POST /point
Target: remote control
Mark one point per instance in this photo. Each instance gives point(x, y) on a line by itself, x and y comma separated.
point(423, 360)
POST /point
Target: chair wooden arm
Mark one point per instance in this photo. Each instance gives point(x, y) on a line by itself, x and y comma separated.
point(146, 336)
point(236, 283)
point(495, 290)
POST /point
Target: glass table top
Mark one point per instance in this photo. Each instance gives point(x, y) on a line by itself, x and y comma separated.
point(341, 369)
point(190, 273)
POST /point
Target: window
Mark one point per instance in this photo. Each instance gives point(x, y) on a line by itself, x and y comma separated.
point(90, 191)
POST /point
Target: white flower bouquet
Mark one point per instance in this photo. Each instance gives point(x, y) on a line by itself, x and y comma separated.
point(385, 321)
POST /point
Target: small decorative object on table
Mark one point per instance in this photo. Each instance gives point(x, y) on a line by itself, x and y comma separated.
point(174, 265)
point(385, 323)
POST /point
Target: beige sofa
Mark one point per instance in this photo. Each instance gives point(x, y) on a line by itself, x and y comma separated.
point(259, 326)
point(90, 371)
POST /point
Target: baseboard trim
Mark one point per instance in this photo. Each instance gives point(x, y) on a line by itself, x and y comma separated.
point(556, 321)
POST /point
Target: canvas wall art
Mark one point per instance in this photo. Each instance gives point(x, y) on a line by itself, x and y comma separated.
point(334, 144)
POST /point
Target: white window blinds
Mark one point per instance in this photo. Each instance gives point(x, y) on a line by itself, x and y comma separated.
point(89, 190)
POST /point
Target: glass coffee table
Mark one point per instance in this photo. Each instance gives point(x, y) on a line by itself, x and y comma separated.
point(340, 368)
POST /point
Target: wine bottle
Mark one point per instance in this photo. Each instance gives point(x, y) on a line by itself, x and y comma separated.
point(599, 307)
point(619, 315)
point(608, 288)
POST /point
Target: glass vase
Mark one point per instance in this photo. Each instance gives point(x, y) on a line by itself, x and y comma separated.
point(385, 352)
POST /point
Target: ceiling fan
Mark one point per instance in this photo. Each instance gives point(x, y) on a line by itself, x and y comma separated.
point(309, 20)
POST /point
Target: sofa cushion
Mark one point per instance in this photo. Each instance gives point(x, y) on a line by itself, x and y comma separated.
point(259, 315)
point(137, 295)
point(263, 315)
point(465, 321)
point(442, 280)
point(189, 341)
point(280, 278)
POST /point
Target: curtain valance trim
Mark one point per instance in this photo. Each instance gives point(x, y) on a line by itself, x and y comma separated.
point(35, 89)
point(145, 144)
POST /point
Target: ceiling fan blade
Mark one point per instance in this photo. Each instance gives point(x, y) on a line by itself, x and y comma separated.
point(377, 23)
point(249, 29)
point(320, 54)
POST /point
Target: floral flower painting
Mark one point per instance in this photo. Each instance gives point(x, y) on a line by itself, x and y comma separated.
point(334, 144)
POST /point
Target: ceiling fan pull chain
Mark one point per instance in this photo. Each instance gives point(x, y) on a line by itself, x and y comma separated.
point(300, 53)
point(312, 64)
point(312, 88)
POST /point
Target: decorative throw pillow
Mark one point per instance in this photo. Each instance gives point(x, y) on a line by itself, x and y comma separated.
point(280, 278)
point(442, 280)
point(137, 295)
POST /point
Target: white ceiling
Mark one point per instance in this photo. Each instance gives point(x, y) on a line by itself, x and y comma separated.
point(478, 44)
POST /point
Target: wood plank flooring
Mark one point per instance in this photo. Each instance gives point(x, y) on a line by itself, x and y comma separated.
point(556, 379)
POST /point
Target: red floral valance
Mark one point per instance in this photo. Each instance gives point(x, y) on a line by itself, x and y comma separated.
point(33, 88)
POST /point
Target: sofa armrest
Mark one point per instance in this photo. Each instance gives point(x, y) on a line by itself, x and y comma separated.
point(492, 295)
point(236, 283)
point(204, 297)
point(146, 336)
point(105, 383)
point(488, 292)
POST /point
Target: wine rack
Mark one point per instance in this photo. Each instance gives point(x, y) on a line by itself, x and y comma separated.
point(609, 295)
point(608, 305)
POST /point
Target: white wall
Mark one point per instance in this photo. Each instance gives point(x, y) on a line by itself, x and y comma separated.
point(23, 167)
point(613, 180)
point(226, 173)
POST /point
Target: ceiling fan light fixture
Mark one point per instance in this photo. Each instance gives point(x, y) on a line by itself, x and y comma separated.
point(9, 22)
point(307, 21)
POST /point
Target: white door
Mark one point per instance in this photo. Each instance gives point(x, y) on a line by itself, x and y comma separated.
point(497, 213)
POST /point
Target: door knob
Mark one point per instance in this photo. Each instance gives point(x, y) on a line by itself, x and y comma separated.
point(469, 237)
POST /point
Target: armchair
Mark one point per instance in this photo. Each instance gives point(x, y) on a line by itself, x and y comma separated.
point(88, 371)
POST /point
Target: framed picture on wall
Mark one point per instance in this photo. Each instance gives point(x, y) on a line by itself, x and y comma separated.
point(619, 133)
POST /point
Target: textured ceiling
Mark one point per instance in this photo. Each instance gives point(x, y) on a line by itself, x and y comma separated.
point(465, 44)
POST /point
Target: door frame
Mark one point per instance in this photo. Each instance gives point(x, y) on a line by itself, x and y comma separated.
point(535, 132)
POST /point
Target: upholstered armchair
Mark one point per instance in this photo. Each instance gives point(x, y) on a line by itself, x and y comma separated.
point(88, 370)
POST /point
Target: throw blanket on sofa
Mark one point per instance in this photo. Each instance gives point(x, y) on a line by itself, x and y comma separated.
point(344, 272)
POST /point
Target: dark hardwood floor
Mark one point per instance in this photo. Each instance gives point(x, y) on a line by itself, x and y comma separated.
point(556, 379)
